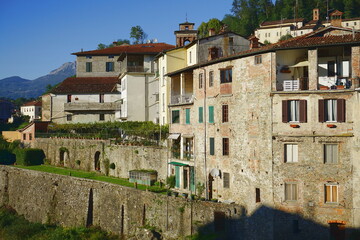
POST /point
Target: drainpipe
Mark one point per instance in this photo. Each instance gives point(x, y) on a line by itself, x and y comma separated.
point(205, 139)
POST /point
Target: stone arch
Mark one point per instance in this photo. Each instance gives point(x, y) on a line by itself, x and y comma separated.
point(63, 155)
point(97, 161)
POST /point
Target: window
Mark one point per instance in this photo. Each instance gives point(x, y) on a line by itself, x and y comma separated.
point(187, 115)
point(30, 136)
point(88, 57)
point(163, 77)
point(331, 193)
point(200, 80)
point(175, 116)
point(211, 78)
point(291, 153)
point(101, 98)
point(225, 113)
point(111, 56)
point(212, 146)
point(69, 117)
point(190, 57)
point(226, 178)
point(226, 75)
point(102, 117)
point(88, 67)
point(211, 114)
point(330, 153)
point(257, 195)
point(331, 110)
point(109, 66)
point(24, 136)
point(188, 148)
point(291, 192)
point(331, 68)
point(225, 146)
point(201, 114)
point(68, 98)
point(258, 59)
point(294, 111)
point(163, 102)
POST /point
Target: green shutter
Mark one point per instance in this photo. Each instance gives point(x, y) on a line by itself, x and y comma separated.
point(211, 114)
point(192, 179)
point(187, 113)
point(177, 176)
point(212, 146)
point(201, 114)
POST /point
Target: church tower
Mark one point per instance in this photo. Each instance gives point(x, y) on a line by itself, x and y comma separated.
point(186, 34)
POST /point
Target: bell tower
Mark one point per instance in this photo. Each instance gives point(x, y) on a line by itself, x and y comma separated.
point(186, 34)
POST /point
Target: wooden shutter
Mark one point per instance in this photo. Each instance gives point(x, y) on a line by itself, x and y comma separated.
point(212, 146)
point(303, 111)
point(201, 114)
point(321, 110)
point(211, 114)
point(187, 117)
point(341, 110)
point(285, 109)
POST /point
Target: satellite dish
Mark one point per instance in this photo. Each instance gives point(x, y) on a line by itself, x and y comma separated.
point(215, 172)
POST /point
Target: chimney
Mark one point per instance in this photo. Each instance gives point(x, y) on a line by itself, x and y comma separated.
point(211, 32)
point(335, 17)
point(316, 14)
point(254, 42)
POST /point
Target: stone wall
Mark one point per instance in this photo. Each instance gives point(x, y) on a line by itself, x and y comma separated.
point(125, 158)
point(69, 201)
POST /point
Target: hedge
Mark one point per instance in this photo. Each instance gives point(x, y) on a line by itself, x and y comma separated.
point(6, 157)
point(29, 156)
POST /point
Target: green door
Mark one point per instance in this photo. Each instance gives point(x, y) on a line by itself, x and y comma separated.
point(177, 176)
point(192, 179)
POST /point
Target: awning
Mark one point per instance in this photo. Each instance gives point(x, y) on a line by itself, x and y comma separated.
point(174, 136)
point(301, 64)
point(178, 164)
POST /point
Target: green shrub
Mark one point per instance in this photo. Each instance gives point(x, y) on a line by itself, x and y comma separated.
point(112, 166)
point(170, 180)
point(29, 156)
point(6, 157)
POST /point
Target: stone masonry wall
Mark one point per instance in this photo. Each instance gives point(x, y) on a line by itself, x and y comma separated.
point(125, 158)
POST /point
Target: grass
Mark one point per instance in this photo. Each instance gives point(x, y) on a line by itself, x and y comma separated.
point(92, 176)
point(15, 227)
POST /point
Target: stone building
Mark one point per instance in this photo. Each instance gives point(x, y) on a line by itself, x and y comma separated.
point(276, 126)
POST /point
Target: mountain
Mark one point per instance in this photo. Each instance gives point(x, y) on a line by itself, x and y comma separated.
point(15, 87)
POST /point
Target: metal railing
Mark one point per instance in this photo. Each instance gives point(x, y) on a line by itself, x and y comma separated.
point(182, 99)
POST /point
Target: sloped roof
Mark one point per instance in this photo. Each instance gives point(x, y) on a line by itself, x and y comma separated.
point(318, 38)
point(87, 85)
point(284, 21)
point(147, 48)
point(32, 103)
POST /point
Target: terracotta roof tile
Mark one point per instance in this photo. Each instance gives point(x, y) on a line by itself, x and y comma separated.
point(148, 48)
point(87, 85)
point(282, 21)
point(32, 103)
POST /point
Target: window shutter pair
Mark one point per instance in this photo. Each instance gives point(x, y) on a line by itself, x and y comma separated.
point(340, 117)
point(302, 111)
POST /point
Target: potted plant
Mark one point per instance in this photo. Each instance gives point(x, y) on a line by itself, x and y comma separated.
point(214, 200)
point(192, 196)
point(185, 195)
point(168, 192)
point(175, 194)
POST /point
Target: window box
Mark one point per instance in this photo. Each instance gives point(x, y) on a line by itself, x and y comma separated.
point(324, 88)
point(294, 125)
point(331, 125)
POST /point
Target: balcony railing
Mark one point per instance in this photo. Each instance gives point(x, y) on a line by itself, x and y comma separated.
point(294, 85)
point(182, 99)
point(326, 83)
point(91, 106)
point(136, 69)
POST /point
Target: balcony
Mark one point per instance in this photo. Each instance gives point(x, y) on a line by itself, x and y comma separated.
point(336, 82)
point(294, 85)
point(91, 106)
point(182, 99)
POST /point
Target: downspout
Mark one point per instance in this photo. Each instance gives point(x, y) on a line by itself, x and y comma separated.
point(205, 138)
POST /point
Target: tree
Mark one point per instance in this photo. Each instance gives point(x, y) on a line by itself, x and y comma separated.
point(138, 34)
point(214, 23)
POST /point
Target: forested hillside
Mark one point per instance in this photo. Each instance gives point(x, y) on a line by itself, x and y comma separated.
point(246, 15)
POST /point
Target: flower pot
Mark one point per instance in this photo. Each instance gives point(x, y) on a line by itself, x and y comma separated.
point(340, 87)
point(331, 125)
point(324, 88)
point(294, 125)
point(175, 194)
point(185, 195)
point(168, 193)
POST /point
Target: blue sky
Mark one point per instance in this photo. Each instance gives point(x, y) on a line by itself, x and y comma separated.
point(38, 36)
